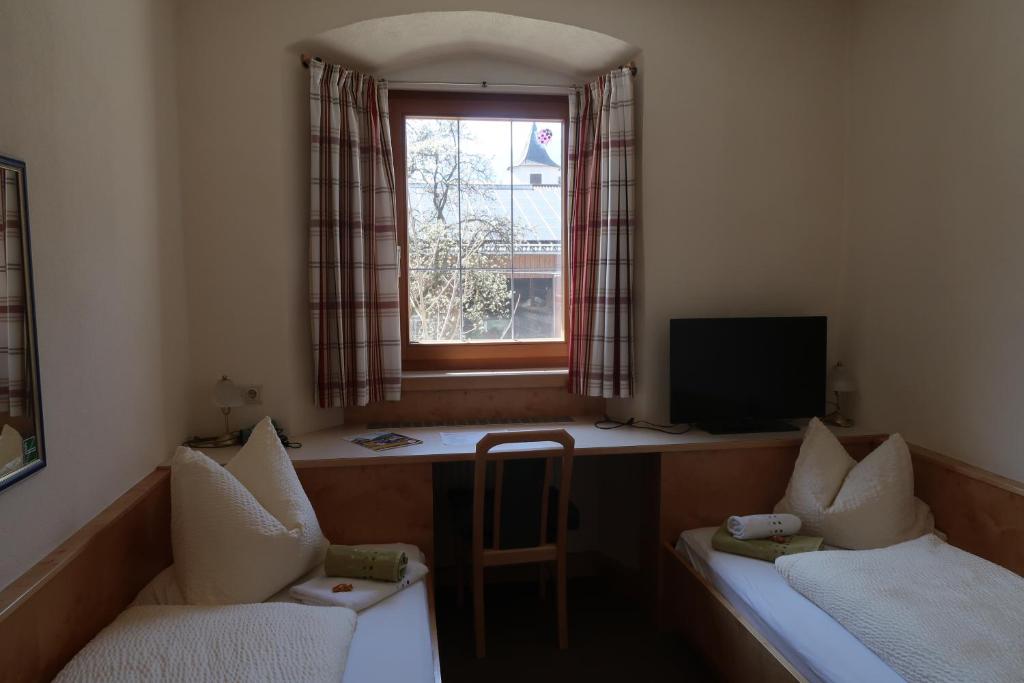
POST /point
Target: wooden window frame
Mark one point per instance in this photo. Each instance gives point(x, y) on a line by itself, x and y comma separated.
point(477, 355)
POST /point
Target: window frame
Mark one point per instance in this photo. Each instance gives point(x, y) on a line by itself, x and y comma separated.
point(476, 355)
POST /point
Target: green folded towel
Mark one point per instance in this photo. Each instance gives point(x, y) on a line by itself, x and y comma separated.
point(360, 563)
point(764, 548)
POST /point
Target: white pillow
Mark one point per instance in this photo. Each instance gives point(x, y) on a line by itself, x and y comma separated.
point(863, 505)
point(263, 467)
point(236, 545)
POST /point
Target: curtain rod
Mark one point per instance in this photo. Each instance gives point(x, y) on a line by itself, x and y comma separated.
point(307, 58)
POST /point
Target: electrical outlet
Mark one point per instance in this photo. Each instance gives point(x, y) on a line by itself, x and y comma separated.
point(253, 395)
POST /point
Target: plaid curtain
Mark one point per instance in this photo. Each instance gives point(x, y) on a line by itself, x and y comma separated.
point(599, 184)
point(12, 299)
point(353, 264)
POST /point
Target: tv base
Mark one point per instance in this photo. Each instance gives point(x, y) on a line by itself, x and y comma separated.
point(750, 426)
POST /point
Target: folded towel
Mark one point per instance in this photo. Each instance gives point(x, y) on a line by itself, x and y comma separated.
point(364, 593)
point(762, 526)
point(351, 562)
point(764, 549)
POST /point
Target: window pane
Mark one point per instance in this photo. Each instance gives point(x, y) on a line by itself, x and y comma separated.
point(485, 230)
point(487, 305)
point(432, 189)
point(537, 301)
point(537, 226)
point(435, 305)
point(485, 163)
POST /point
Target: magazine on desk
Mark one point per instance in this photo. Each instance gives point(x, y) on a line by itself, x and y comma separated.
point(384, 441)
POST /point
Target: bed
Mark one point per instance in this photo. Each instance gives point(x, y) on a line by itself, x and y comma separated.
point(743, 617)
point(98, 572)
point(809, 639)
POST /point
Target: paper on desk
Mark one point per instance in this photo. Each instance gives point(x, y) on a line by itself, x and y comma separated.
point(461, 438)
point(384, 441)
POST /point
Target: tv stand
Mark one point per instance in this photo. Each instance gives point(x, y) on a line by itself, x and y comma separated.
point(746, 426)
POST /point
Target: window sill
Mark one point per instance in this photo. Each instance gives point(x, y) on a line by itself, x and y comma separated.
point(454, 380)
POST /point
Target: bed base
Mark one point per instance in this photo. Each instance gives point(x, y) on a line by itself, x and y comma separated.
point(730, 645)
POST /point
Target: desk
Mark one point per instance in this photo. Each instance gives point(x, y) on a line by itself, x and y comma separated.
point(331, 447)
point(688, 480)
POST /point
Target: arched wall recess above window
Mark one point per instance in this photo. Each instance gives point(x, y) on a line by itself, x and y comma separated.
point(471, 46)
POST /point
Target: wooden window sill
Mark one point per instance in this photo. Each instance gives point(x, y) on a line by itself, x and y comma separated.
point(455, 380)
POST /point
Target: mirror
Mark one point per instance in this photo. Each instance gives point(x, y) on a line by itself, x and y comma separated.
point(21, 415)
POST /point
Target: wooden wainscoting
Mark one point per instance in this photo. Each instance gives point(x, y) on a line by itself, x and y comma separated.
point(373, 503)
point(54, 609)
point(980, 512)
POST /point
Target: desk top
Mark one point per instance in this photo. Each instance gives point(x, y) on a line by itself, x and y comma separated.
point(331, 447)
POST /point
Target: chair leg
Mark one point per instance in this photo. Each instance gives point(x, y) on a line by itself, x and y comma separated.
point(563, 616)
point(478, 610)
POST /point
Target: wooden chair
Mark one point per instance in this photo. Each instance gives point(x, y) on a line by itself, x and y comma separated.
point(544, 553)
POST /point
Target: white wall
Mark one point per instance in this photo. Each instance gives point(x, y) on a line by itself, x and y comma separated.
point(933, 305)
point(743, 111)
point(87, 99)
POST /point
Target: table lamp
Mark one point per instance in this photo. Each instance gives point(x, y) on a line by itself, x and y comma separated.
point(226, 395)
point(842, 383)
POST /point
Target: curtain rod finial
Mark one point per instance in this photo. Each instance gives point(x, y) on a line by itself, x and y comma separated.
point(306, 59)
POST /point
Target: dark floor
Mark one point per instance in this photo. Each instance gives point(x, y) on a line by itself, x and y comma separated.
point(610, 639)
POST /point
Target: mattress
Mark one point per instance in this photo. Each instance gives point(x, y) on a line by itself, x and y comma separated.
point(812, 641)
point(392, 641)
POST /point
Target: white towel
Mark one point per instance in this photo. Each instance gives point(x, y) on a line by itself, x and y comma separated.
point(365, 592)
point(762, 526)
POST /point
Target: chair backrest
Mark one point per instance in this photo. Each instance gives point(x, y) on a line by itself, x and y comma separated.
point(484, 455)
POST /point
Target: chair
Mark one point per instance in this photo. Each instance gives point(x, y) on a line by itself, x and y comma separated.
point(544, 553)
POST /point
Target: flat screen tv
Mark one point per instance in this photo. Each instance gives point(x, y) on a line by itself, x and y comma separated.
point(734, 375)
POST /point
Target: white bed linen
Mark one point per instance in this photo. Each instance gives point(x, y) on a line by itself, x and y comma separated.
point(813, 642)
point(392, 640)
point(212, 644)
point(949, 616)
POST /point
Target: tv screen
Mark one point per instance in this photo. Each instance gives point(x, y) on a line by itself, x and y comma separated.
point(725, 370)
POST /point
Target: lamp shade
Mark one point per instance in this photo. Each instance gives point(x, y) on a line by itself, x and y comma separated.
point(842, 380)
point(226, 393)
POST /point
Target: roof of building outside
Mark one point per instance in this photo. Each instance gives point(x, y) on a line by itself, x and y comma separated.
point(535, 211)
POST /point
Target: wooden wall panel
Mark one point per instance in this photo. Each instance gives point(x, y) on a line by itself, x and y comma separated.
point(56, 607)
point(374, 503)
point(478, 404)
point(702, 488)
point(979, 511)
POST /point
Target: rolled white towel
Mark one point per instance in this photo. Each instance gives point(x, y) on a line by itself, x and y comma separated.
point(751, 527)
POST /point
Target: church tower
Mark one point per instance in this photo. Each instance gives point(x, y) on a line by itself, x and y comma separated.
point(535, 166)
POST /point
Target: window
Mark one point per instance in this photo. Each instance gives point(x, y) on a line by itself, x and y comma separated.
point(481, 222)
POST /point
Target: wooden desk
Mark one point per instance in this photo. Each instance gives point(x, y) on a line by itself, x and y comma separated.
point(331, 447)
point(687, 480)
